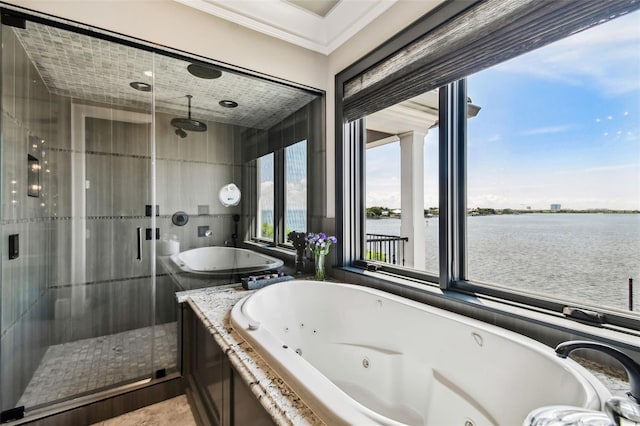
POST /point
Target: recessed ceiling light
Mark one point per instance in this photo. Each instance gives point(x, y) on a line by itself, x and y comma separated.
point(139, 85)
point(204, 71)
point(148, 73)
point(228, 104)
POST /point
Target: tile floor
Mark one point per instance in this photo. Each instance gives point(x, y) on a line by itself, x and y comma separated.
point(74, 368)
point(172, 412)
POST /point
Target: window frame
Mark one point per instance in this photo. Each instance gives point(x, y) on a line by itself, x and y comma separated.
point(305, 124)
point(350, 196)
point(285, 185)
point(279, 200)
point(257, 232)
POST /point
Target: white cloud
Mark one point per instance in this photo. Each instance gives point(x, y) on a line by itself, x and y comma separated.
point(266, 195)
point(297, 195)
point(490, 139)
point(603, 57)
point(613, 167)
point(546, 130)
point(383, 176)
point(383, 199)
point(613, 186)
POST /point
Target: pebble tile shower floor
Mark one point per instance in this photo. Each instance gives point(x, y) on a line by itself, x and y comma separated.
point(82, 366)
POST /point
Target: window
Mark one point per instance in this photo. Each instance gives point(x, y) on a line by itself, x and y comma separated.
point(282, 193)
point(295, 212)
point(538, 154)
point(282, 181)
point(553, 169)
point(266, 196)
point(401, 197)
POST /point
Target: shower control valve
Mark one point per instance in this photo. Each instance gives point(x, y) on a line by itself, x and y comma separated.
point(204, 231)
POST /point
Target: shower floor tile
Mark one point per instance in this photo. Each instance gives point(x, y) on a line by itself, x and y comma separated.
point(83, 366)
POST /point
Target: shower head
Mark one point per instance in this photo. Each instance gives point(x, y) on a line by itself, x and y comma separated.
point(204, 71)
point(188, 124)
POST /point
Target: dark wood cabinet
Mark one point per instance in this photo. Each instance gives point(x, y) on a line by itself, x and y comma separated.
point(217, 393)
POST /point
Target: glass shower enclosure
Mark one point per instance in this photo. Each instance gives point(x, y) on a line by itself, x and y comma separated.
point(79, 289)
point(104, 142)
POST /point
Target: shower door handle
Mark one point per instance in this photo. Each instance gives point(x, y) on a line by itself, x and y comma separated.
point(139, 256)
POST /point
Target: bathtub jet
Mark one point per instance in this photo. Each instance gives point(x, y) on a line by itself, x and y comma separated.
point(360, 356)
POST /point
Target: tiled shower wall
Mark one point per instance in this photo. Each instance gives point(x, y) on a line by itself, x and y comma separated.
point(36, 305)
point(190, 173)
point(28, 110)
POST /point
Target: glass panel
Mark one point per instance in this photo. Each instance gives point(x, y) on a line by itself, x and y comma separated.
point(88, 185)
point(77, 297)
point(265, 197)
point(554, 169)
point(295, 157)
point(402, 184)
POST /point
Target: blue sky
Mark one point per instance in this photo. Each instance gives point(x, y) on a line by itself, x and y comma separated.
point(557, 125)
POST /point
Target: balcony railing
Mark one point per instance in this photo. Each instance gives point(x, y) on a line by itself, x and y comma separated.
point(386, 248)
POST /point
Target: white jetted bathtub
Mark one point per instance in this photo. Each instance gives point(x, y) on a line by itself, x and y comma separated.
point(361, 356)
point(224, 261)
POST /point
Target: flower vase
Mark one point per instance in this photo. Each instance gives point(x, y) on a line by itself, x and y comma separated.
point(319, 267)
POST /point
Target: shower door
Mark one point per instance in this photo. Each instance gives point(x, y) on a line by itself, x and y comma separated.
point(78, 257)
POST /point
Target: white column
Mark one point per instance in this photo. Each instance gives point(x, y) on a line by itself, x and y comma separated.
point(412, 223)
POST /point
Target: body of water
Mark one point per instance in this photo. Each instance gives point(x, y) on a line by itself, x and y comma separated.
point(585, 258)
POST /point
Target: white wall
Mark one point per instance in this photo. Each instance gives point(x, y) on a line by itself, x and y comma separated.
point(172, 24)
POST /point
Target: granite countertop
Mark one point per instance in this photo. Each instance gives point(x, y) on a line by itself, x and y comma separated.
point(212, 306)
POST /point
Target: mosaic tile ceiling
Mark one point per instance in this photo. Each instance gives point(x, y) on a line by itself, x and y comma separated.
point(95, 70)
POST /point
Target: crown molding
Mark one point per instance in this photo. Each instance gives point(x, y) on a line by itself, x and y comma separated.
point(295, 25)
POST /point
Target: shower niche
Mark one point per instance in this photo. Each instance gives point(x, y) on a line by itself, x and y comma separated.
point(33, 172)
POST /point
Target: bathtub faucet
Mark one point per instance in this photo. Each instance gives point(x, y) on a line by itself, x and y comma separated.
point(619, 409)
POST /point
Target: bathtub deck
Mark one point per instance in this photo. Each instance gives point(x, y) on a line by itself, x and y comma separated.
point(185, 281)
point(213, 305)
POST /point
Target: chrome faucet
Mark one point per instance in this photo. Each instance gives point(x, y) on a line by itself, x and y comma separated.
point(621, 411)
point(208, 233)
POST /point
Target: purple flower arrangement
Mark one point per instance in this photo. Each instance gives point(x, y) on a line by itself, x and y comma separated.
point(320, 243)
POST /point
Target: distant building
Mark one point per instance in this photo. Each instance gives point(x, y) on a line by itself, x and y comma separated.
point(556, 206)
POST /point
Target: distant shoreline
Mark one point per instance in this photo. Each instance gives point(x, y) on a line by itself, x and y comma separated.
point(490, 212)
point(387, 213)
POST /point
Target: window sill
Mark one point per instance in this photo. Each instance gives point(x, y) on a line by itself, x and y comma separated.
point(287, 255)
point(546, 326)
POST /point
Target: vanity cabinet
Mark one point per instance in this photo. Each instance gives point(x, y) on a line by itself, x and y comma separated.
point(217, 393)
